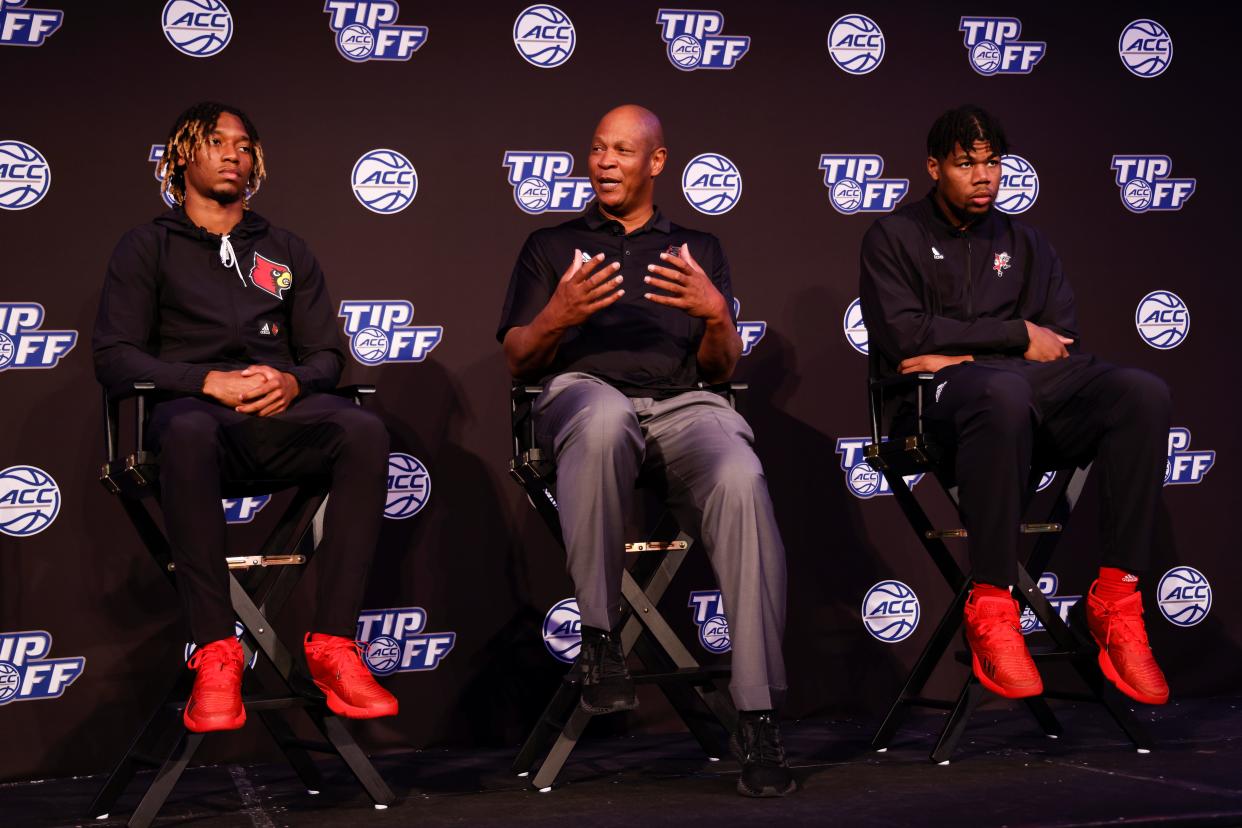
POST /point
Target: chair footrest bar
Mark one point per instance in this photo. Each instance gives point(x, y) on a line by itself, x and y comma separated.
point(657, 546)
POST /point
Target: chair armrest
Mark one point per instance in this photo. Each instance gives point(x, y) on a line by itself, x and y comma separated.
point(879, 388)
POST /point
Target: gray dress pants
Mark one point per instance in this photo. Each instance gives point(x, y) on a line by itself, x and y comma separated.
point(602, 440)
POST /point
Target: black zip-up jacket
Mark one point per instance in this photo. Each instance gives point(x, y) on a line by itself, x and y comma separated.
point(928, 287)
point(171, 311)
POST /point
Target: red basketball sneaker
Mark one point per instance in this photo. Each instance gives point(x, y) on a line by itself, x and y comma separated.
point(1125, 656)
point(336, 666)
point(998, 653)
point(216, 703)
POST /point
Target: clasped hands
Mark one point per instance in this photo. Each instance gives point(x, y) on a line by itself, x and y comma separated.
point(1045, 345)
point(259, 389)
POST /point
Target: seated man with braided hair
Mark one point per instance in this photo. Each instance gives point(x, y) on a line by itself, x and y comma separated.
point(229, 317)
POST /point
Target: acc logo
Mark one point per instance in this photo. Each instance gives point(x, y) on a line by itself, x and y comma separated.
point(26, 674)
point(156, 155)
point(1145, 184)
point(709, 617)
point(1184, 596)
point(27, 27)
point(29, 501)
point(562, 630)
point(694, 41)
point(198, 28)
point(1061, 603)
point(409, 486)
point(856, 44)
point(1162, 319)
point(1184, 466)
point(1019, 185)
point(364, 30)
point(750, 332)
point(238, 630)
point(864, 481)
point(711, 183)
point(1145, 48)
point(994, 46)
point(384, 181)
point(22, 345)
point(25, 176)
point(890, 611)
point(395, 641)
point(380, 331)
point(544, 36)
point(542, 184)
point(1045, 480)
point(854, 327)
point(243, 509)
point(854, 184)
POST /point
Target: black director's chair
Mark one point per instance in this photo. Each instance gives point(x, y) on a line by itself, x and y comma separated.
point(918, 453)
point(689, 686)
point(259, 586)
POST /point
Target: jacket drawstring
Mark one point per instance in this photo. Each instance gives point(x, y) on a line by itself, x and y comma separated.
point(228, 257)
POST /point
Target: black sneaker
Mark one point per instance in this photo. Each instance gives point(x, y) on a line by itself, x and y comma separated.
point(606, 683)
point(757, 746)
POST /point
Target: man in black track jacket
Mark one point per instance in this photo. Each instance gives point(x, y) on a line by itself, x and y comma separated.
point(229, 317)
point(951, 287)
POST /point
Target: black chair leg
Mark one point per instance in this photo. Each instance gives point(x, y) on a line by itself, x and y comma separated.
point(972, 693)
point(297, 756)
point(165, 779)
point(551, 722)
point(334, 731)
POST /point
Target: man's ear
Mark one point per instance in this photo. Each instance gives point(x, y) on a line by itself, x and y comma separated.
point(658, 156)
point(933, 168)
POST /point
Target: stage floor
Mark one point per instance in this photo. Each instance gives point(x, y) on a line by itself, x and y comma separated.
point(1004, 774)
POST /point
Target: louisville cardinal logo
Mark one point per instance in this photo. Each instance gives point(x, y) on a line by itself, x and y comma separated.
point(270, 277)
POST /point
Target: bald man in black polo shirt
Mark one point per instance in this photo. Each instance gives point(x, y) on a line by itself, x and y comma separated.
point(617, 313)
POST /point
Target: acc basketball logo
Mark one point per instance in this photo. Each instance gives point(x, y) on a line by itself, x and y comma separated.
point(562, 630)
point(29, 501)
point(862, 480)
point(1184, 466)
point(855, 186)
point(1184, 596)
point(542, 184)
point(1061, 603)
point(384, 181)
point(270, 276)
point(994, 46)
point(409, 486)
point(1045, 480)
point(156, 156)
point(243, 509)
point(25, 176)
point(395, 641)
point(1162, 319)
point(198, 28)
point(1145, 48)
point(711, 183)
point(544, 36)
point(1019, 185)
point(22, 345)
point(694, 40)
point(380, 331)
point(890, 611)
point(1145, 183)
point(855, 329)
point(26, 673)
point(27, 27)
point(856, 44)
point(750, 332)
point(365, 30)
point(709, 617)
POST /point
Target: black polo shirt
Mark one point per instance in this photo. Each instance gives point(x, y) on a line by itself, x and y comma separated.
point(642, 348)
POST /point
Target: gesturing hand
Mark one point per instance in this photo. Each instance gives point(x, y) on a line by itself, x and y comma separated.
point(687, 286)
point(930, 363)
point(1045, 345)
point(274, 393)
point(584, 289)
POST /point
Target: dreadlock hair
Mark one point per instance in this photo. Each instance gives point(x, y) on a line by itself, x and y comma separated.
point(190, 132)
point(965, 125)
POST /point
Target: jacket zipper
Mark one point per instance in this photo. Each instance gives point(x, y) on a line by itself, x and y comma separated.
point(970, 282)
